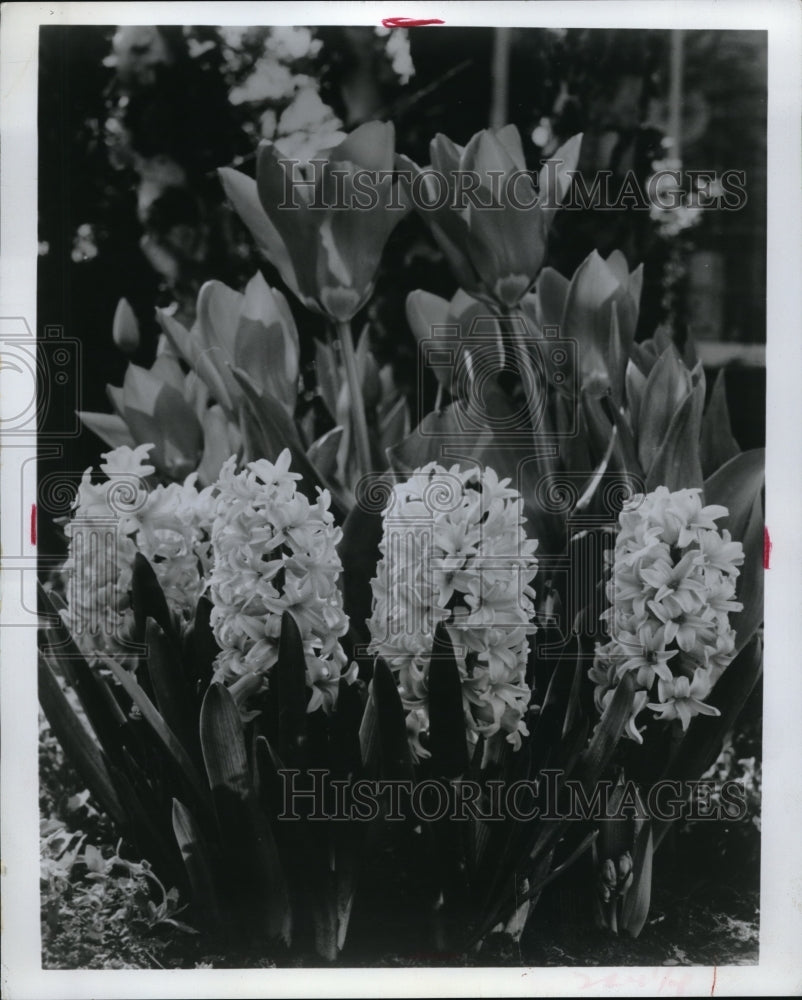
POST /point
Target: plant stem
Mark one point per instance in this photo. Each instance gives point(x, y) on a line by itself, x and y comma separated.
point(360, 425)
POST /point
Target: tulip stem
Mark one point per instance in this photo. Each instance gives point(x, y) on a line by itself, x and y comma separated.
point(359, 423)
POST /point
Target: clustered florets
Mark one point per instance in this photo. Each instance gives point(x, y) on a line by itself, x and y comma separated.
point(671, 590)
point(114, 519)
point(274, 551)
point(454, 551)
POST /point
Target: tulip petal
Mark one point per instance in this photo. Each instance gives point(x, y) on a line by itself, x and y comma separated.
point(485, 153)
point(370, 146)
point(216, 445)
point(510, 138)
point(555, 176)
point(426, 312)
point(125, 328)
point(676, 463)
point(552, 292)
point(219, 309)
point(203, 363)
point(167, 369)
point(667, 386)
point(444, 154)
point(243, 194)
point(296, 224)
point(115, 394)
point(141, 389)
point(109, 427)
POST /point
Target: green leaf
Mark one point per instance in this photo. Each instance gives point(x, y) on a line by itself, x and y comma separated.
point(447, 740)
point(195, 855)
point(256, 887)
point(676, 463)
point(322, 453)
point(425, 443)
point(173, 698)
point(738, 485)
point(359, 553)
point(717, 444)
point(702, 743)
point(82, 751)
point(165, 735)
point(328, 376)
point(735, 486)
point(147, 598)
point(635, 908)
point(146, 829)
point(369, 740)
point(608, 732)
point(290, 694)
point(200, 646)
point(105, 716)
point(223, 743)
point(394, 753)
point(749, 585)
point(346, 756)
point(667, 387)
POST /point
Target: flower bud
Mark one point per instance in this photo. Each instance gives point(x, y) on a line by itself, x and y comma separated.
point(125, 328)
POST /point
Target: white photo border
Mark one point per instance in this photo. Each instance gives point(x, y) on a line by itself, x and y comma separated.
point(780, 967)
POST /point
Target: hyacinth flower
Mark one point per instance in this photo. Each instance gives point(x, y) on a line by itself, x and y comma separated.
point(325, 233)
point(274, 552)
point(494, 238)
point(671, 592)
point(111, 522)
point(454, 553)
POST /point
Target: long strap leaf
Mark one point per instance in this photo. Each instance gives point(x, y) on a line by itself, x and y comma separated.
point(166, 736)
point(82, 751)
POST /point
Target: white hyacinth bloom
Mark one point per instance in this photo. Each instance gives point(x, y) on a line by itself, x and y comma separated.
point(671, 593)
point(454, 550)
point(274, 551)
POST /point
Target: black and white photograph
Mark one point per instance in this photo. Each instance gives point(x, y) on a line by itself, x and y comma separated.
point(396, 579)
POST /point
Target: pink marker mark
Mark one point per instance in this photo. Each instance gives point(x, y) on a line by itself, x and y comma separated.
point(766, 549)
point(33, 524)
point(410, 22)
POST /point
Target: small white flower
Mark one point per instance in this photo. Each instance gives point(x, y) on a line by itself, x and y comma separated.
point(273, 552)
point(114, 519)
point(454, 550)
point(671, 592)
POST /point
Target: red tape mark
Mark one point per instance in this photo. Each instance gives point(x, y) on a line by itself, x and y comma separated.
point(33, 524)
point(410, 22)
point(766, 549)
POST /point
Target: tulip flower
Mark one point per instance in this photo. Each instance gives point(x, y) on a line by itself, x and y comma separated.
point(253, 331)
point(493, 224)
point(125, 328)
point(471, 339)
point(159, 405)
point(164, 407)
point(156, 411)
point(598, 309)
point(325, 236)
